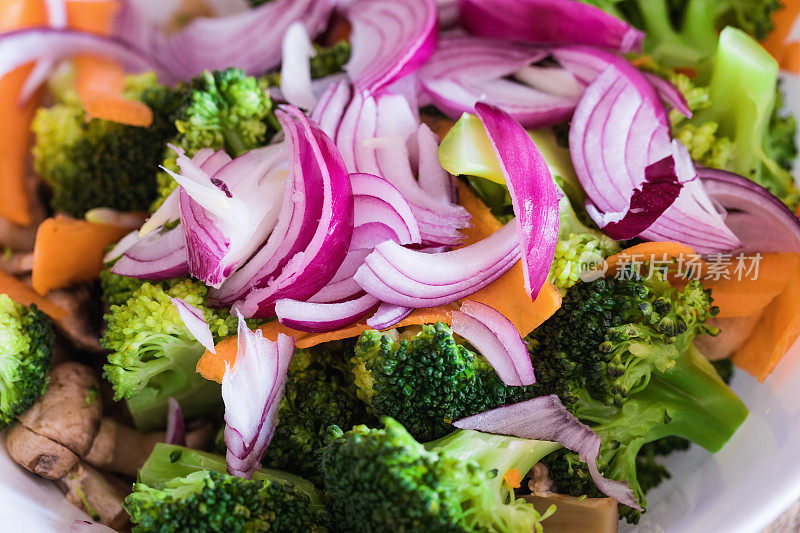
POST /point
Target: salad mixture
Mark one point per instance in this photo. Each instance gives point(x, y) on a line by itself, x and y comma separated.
point(386, 265)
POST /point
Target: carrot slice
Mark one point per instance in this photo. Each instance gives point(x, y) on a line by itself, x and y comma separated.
point(22, 293)
point(647, 253)
point(68, 251)
point(743, 297)
point(783, 19)
point(776, 332)
point(98, 80)
point(513, 478)
point(15, 135)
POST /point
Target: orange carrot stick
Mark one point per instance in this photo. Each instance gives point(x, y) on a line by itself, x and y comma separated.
point(22, 293)
point(15, 136)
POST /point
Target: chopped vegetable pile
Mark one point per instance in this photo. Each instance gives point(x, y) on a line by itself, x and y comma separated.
point(387, 265)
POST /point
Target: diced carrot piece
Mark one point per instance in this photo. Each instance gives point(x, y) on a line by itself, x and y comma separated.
point(512, 478)
point(94, 16)
point(69, 251)
point(647, 252)
point(22, 293)
point(783, 19)
point(777, 331)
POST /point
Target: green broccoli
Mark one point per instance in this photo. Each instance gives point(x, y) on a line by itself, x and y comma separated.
point(739, 124)
point(154, 354)
point(26, 346)
point(428, 380)
point(221, 110)
point(100, 163)
point(683, 33)
point(180, 489)
point(320, 392)
point(619, 354)
point(384, 480)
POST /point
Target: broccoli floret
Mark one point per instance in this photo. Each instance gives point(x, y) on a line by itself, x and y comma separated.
point(221, 110)
point(100, 163)
point(684, 33)
point(619, 354)
point(384, 480)
point(428, 380)
point(320, 392)
point(154, 354)
point(180, 489)
point(26, 346)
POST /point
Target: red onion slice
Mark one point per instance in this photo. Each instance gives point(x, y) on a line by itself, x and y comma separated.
point(20, 47)
point(57, 19)
point(306, 273)
point(497, 339)
point(252, 390)
point(465, 70)
point(390, 39)
point(412, 278)
point(176, 427)
point(158, 255)
point(296, 67)
point(330, 107)
point(761, 221)
point(549, 22)
point(318, 317)
point(533, 193)
point(546, 418)
point(433, 179)
point(658, 192)
point(619, 128)
point(250, 40)
point(195, 322)
point(388, 315)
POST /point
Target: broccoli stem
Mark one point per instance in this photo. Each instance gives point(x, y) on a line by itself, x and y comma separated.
point(168, 461)
point(742, 90)
point(662, 40)
point(494, 453)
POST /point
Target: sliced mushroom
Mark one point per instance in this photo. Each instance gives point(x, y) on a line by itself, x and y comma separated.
point(69, 412)
point(89, 490)
point(122, 449)
point(539, 479)
point(38, 454)
point(77, 325)
point(573, 515)
point(733, 332)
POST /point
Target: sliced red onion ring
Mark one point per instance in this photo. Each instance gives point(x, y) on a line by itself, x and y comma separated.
point(373, 137)
point(670, 94)
point(412, 278)
point(465, 70)
point(296, 67)
point(390, 39)
point(534, 195)
point(195, 322)
point(388, 315)
point(156, 256)
point(447, 13)
point(222, 8)
point(176, 427)
point(761, 221)
point(306, 273)
point(252, 390)
point(658, 192)
point(497, 339)
point(20, 47)
point(380, 201)
point(619, 128)
point(546, 418)
point(227, 215)
point(250, 40)
point(330, 107)
point(433, 179)
point(549, 22)
point(318, 317)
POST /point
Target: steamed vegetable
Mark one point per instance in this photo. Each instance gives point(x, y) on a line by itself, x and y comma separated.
point(619, 354)
point(154, 355)
point(383, 479)
point(26, 345)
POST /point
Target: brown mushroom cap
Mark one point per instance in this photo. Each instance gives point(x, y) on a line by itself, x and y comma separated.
point(39, 454)
point(69, 412)
point(86, 487)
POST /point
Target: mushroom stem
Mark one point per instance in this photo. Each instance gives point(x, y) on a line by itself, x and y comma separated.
point(89, 490)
